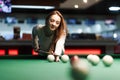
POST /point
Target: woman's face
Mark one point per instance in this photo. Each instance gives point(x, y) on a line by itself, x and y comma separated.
point(54, 22)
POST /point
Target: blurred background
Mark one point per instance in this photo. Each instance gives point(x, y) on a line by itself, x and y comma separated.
point(99, 17)
point(86, 19)
point(82, 16)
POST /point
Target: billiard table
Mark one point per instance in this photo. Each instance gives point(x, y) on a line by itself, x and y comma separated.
point(34, 68)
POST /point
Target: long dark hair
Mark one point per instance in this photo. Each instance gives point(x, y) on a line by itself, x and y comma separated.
point(61, 30)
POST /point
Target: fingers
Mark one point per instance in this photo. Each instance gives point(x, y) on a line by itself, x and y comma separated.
point(36, 50)
point(52, 53)
point(57, 59)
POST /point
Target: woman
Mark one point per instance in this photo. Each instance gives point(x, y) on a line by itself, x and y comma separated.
point(50, 39)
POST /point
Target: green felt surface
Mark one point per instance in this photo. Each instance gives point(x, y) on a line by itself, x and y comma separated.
point(36, 69)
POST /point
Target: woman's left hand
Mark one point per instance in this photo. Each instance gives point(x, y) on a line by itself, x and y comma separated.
point(57, 59)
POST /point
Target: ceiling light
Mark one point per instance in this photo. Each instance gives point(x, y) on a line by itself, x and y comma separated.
point(76, 6)
point(115, 35)
point(32, 7)
point(85, 1)
point(113, 8)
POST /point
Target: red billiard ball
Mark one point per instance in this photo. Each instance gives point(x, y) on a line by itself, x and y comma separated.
point(74, 59)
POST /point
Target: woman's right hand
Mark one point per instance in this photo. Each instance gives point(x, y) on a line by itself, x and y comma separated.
point(36, 50)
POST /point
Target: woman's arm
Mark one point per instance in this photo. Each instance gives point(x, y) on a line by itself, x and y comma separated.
point(59, 48)
point(35, 39)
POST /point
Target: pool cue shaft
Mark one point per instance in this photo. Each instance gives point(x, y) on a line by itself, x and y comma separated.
point(42, 51)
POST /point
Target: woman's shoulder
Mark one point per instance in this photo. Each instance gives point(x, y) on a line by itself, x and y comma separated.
point(38, 27)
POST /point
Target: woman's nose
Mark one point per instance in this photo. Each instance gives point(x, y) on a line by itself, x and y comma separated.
point(54, 23)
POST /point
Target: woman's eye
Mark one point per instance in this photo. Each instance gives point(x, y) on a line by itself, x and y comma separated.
point(51, 20)
point(57, 22)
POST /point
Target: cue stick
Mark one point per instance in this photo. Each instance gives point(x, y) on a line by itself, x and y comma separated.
point(42, 51)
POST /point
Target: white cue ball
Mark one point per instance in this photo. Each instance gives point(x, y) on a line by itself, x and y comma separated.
point(50, 58)
point(89, 57)
point(107, 60)
point(95, 60)
point(65, 58)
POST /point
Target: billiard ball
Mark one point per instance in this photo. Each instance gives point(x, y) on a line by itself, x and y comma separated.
point(107, 60)
point(65, 58)
point(74, 59)
point(89, 57)
point(80, 70)
point(50, 58)
point(95, 60)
